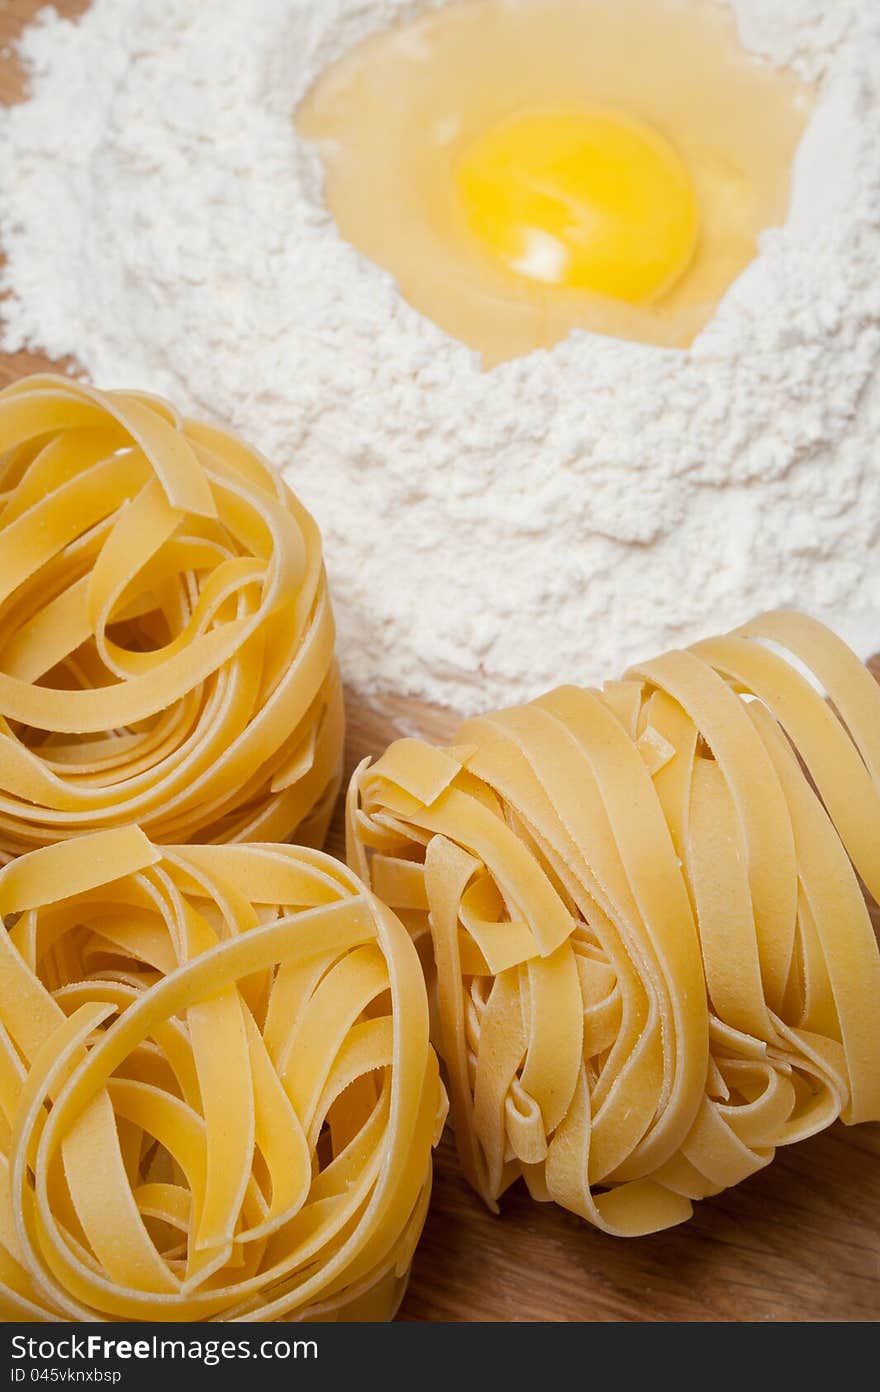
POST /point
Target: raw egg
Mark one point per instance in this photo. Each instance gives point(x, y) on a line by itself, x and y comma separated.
point(526, 168)
point(592, 200)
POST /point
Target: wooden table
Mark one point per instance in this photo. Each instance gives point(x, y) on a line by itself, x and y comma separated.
point(799, 1241)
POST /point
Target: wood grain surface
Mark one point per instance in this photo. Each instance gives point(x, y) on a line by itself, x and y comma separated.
point(799, 1241)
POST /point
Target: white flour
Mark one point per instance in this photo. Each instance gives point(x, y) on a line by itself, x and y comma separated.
point(487, 535)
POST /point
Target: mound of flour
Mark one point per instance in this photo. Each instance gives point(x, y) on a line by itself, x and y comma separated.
point(487, 535)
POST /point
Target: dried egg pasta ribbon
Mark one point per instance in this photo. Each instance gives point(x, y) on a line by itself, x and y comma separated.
point(187, 1168)
point(166, 636)
point(654, 963)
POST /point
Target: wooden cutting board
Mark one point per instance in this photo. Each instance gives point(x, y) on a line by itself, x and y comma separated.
point(799, 1241)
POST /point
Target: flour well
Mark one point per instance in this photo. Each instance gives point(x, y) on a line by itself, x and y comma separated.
point(491, 534)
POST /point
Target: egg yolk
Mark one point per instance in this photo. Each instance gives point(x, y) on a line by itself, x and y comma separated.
point(581, 198)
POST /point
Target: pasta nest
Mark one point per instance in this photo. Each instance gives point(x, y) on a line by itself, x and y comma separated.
point(233, 1043)
point(166, 636)
point(643, 913)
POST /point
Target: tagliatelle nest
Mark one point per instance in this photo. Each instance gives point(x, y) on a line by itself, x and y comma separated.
point(653, 959)
point(234, 1045)
point(166, 636)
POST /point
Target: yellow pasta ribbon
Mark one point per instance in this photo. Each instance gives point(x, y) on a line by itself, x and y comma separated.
point(217, 1095)
point(653, 960)
point(166, 636)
